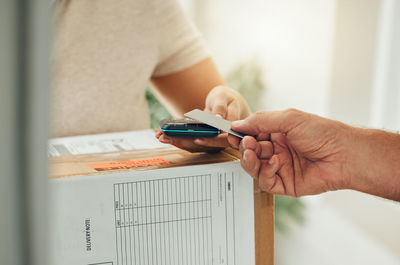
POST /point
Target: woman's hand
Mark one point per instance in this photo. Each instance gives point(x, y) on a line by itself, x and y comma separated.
point(221, 101)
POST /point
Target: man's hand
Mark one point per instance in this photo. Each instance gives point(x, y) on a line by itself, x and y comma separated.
point(224, 102)
point(296, 153)
point(293, 153)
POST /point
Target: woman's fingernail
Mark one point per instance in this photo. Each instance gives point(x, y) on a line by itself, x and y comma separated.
point(199, 141)
point(165, 139)
point(218, 115)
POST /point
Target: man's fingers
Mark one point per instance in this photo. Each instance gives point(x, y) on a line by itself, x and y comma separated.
point(266, 150)
point(250, 163)
point(246, 126)
point(263, 149)
point(288, 162)
point(255, 162)
point(269, 122)
point(268, 179)
point(263, 137)
point(248, 142)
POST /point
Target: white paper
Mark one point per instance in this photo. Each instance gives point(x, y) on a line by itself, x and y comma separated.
point(193, 215)
point(100, 143)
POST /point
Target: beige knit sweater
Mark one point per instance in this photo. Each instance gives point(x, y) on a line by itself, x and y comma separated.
point(104, 54)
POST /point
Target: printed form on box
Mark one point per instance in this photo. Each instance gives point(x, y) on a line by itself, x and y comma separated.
point(199, 214)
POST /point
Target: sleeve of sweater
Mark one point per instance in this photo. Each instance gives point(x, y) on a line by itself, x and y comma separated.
point(180, 44)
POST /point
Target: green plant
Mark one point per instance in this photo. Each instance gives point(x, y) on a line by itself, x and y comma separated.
point(247, 79)
point(157, 111)
point(286, 209)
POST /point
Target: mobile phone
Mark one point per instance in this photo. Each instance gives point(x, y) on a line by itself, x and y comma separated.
point(187, 128)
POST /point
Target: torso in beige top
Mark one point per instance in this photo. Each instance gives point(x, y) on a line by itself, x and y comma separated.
point(105, 52)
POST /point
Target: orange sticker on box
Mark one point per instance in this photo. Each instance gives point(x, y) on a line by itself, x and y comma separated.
point(130, 164)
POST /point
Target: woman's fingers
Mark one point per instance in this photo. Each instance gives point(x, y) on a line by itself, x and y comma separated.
point(234, 141)
point(220, 141)
point(187, 144)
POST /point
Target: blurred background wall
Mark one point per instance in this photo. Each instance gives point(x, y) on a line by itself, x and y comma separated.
point(336, 58)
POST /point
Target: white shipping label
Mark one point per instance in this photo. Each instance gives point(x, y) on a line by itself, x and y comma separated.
point(187, 215)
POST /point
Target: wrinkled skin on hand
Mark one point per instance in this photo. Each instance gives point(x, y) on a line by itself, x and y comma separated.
point(292, 152)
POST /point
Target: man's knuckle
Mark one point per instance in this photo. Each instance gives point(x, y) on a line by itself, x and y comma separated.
point(262, 184)
point(258, 115)
point(291, 111)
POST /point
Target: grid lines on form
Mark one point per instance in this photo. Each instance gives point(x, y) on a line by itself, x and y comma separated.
point(164, 221)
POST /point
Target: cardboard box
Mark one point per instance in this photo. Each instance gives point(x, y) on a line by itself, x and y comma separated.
point(158, 206)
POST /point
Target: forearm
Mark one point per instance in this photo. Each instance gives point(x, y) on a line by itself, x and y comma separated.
point(183, 91)
point(374, 162)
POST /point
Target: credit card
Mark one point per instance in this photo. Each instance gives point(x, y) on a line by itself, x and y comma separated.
point(213, 121)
